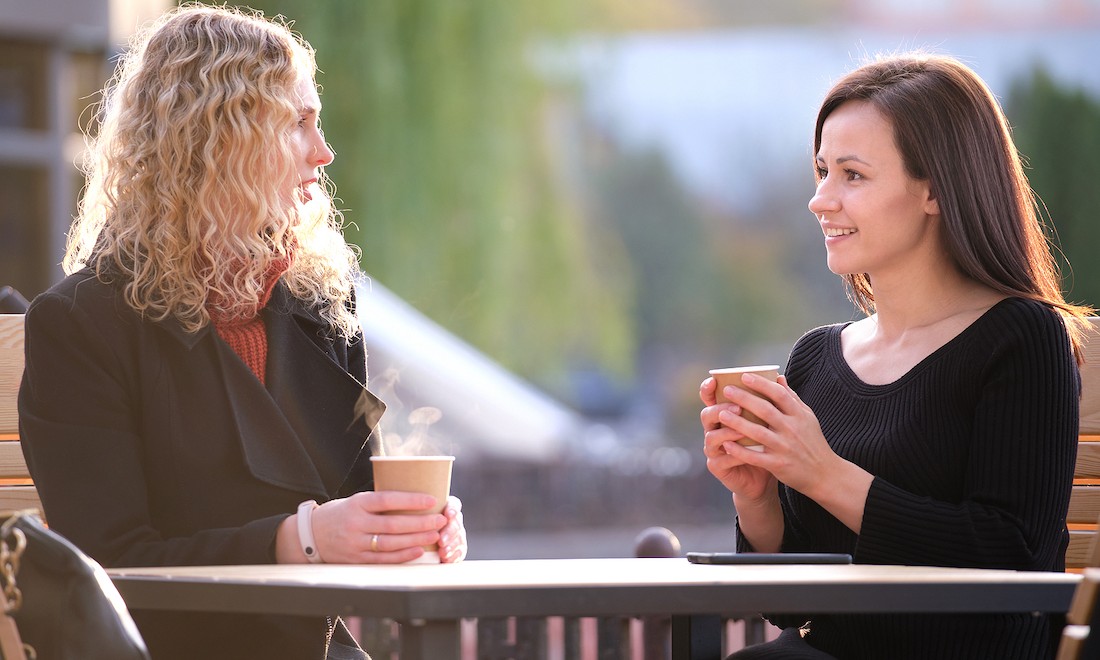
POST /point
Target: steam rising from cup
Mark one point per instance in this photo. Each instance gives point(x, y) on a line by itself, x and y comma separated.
point(399, 433)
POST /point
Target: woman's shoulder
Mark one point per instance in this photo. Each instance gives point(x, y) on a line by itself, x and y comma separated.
point(1020, 319)
point(816, 339)
point(1019, 335)
point(82, 300)
point(82, 290)
point(813, 347)
point(83, 283)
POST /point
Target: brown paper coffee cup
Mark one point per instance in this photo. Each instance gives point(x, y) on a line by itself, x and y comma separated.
point(416, 474)
point(732, 376)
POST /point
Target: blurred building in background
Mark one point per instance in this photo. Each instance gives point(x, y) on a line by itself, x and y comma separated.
point(54, 57)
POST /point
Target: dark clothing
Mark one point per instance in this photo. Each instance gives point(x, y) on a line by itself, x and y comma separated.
point(788, 646)
point(151, 446)
point(973, 453)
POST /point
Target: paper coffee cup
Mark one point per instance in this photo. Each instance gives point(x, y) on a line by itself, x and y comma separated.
point(416, 474)
point(732, 376)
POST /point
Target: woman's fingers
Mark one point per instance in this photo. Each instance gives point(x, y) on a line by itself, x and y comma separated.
point(452, 539)
point(383, 501)
point(358, 529)
point(707, 392)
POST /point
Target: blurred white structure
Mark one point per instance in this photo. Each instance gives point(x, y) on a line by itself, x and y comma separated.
point(418, 368)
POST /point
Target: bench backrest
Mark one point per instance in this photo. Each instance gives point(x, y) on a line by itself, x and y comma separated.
point(1084, 502)
point(17, 491)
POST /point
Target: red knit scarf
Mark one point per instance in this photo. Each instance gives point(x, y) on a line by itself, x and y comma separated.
point(248, 336)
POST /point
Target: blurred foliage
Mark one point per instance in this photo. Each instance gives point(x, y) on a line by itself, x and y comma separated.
point(711, 288)
point(1057, 129)
point(443, 134)
point(685, 15)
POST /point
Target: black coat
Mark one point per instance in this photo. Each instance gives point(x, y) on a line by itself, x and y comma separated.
point(151, 446)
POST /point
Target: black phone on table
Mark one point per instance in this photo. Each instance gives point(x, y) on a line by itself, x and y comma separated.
point(768, 558)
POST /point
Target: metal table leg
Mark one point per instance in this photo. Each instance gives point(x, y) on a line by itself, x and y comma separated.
point(696, 637)
point(431, 640)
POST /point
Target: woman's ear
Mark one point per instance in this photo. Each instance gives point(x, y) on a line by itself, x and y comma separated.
point(931, 204)
point(932, 207)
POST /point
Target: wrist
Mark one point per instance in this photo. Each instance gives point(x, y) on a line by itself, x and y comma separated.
point(306, 541)
point(767, 501)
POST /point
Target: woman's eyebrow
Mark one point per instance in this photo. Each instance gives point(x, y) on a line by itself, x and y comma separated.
point(844, 159)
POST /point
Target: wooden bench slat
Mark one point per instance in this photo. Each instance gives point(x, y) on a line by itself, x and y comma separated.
point(1084, 505)
point(11, 369)
point(13, 465)
point(19, 497)
point(1088, 460)
point(1080, 547)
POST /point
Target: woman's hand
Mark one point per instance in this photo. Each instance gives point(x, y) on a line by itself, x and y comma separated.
point(361, 529)
point(452, 540)
point(795, 449)
point(742, 479)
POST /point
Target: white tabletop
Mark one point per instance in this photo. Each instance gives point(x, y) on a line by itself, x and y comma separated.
point(588, 587)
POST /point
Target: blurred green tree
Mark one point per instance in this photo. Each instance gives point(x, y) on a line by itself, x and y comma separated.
point(711, 288)
point(1057, 129)
point(443, 133)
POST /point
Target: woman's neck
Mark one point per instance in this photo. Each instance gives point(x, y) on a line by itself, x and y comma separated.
point(929, 297)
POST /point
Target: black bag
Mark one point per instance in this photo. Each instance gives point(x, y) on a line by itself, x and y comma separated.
point(63, 603)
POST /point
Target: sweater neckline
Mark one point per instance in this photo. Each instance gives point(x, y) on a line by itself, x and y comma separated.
point(835, 354)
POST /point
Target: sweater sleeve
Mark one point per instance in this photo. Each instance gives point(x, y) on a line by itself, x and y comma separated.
point(1019, 468)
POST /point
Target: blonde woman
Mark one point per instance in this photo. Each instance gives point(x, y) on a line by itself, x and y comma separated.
point(192, 387)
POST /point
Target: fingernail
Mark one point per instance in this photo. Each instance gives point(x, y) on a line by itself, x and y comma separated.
point(729, 414)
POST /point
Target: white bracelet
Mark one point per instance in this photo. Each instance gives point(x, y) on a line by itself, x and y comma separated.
point(305, 531)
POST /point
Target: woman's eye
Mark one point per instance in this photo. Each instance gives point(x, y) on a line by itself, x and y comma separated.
point(853, 175)
point(822, 172)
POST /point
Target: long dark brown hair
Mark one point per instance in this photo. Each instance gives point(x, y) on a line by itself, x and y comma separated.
point(951, 132)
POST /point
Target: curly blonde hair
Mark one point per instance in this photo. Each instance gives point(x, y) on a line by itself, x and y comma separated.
point(187, 199)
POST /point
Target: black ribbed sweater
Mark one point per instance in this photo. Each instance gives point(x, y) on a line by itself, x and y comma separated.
point(972, 452)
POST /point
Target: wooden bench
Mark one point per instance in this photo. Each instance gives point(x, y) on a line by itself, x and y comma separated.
point(1084, 502)
point(17, 491)
point(1081, 620)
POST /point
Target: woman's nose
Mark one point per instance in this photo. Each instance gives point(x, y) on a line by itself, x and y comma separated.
point(323, 154)
point(823, 201)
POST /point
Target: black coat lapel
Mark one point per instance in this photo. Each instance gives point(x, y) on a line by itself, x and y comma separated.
point(272, 449)
point(318, 398)
point(307, 429)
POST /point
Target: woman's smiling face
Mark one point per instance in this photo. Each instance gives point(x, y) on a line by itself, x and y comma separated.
point(874, 215)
